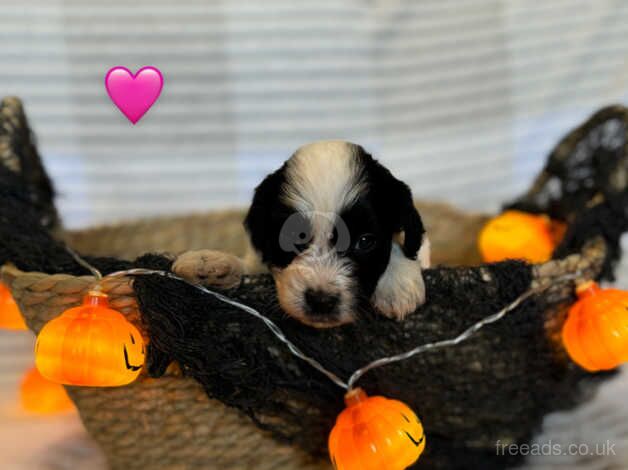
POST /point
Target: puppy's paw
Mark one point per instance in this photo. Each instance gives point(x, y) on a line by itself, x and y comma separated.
point(209, 268)
point(401, 300)
point(400, 290)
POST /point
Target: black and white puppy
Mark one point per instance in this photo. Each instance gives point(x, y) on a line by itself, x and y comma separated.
point(336, 228)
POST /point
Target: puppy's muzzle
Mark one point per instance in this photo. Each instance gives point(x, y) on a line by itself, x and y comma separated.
point(316, 291)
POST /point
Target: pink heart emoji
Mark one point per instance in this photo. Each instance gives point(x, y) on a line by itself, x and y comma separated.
point(134, 94)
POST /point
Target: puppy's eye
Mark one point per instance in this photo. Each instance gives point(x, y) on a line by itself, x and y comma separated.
point(365, 243)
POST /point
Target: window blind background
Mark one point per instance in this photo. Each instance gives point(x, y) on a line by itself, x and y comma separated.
point(462, 99)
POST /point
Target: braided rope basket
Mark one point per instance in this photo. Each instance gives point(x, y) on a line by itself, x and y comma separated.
point(170, 423)
point(171, 415)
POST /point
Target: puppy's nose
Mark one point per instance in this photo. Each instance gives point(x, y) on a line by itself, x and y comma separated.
point(321, 303)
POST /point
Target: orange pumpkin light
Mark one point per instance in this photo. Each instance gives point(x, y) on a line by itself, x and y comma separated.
point(373, 433)
point(596, 331)
point(519, 235)
point(41, 396)
point(90, 345)
point(10, 316)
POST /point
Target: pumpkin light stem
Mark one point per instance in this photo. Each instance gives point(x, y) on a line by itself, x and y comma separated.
point(355, 396)
point(587, 289)
point(96, 298)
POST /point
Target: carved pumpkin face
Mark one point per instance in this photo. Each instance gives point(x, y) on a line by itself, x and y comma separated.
point(373, 433)
point(596, 331)
point(518, 235)
point(10, 316)
point(90, 345)
point(41, 396)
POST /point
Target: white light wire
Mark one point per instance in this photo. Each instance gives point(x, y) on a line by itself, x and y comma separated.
point(359, 373)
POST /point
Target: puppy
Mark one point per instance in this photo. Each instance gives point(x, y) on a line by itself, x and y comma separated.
point(336, 229)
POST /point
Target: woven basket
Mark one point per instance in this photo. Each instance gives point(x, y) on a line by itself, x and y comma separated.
point(169, 423)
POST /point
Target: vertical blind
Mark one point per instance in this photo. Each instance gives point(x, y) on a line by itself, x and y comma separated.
point(460, 98)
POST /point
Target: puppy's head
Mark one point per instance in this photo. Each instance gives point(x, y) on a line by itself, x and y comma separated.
point(335, 228)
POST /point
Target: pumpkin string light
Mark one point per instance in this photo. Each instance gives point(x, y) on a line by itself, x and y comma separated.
point(41, 396)
point(374, 433)
point(90, 345)
point(520, 235)
point(595, 333)
point(10, 316)
point(399, 443)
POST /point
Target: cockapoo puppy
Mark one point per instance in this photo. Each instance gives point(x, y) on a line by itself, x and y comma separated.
point(335, 228)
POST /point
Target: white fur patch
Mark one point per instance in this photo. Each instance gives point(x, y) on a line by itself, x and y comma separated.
point(400, 290)
point(323, 177)
point(425, 253)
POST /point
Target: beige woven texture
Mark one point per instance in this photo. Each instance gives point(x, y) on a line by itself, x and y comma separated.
point(169, 423)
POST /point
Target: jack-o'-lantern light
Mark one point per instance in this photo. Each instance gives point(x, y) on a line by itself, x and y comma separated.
point(41, 396)
point(90, 345)
point(519, 235)
point(10, 316)
point(595, 333)
point(373, 433)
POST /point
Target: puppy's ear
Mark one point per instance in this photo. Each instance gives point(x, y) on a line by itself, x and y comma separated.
point(397, 205)
point(409, 220)
point(258, 221)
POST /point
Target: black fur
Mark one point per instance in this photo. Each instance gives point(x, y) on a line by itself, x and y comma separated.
point(265, 219)
point(393, 201)
point(365, 217)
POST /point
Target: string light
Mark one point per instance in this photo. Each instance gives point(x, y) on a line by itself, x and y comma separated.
point(359, 373)
point(362, 412)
